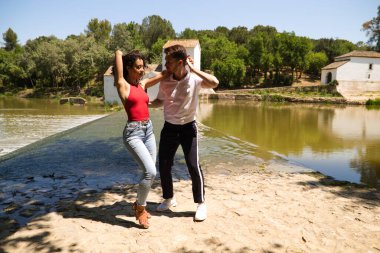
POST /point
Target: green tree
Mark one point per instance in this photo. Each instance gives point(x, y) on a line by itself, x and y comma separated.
point(12, 74)
point(10, 38)
point(229, 71)
point(239, 35)
point(86, 61)
point(315, 62)
point(48, 67)
point(154, 28)
point(222, 31)
point(126, 37)
point(225, 58)
point(188, 34)
point(372, 29)
point(100, 30)
point(157, 51)
point(293, 51)
point(333, 48)
point(256, 50)
point(263, 30)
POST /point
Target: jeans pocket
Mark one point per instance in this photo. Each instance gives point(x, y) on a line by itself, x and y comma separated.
point(129, 129)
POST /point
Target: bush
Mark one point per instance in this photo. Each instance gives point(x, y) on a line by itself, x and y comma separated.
point(282, 80)
point(230, 72)
point(95, 92)
point(373, 102)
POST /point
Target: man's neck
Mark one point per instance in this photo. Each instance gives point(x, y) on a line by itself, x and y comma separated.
point(180, 74)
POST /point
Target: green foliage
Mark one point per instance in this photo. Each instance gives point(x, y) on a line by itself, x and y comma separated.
point(157, 51)
point(239, 35)
point(11, 73)
point(273, 97)
point(126, 37)
point(229, 71)
point(100, 30)
point(153, 28)
point(315, 62)
point(333, 48)
point(372, 29)
point(373, 102)
point(10, 38)
point(237, 55)
point(282, 80)
point(189, 34)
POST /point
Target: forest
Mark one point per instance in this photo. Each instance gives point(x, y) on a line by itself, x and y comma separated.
point(257, 56)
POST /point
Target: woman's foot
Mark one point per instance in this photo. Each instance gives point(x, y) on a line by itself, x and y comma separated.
point(141, 215)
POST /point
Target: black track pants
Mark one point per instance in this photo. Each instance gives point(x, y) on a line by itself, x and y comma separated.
point(171, 137)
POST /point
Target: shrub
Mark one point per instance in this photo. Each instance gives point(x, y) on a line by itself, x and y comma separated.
point(373, 102)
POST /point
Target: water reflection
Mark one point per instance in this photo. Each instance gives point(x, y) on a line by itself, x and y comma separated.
point(340, 141)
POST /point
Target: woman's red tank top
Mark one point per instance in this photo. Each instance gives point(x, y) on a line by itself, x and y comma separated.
point(137, 104)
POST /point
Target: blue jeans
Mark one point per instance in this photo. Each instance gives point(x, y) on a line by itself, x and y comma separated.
point(139, 139)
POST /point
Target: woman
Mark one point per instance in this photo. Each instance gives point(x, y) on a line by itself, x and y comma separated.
point(138, 133)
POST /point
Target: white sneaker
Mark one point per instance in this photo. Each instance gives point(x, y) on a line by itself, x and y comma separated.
point(167, 204)
point(201, 213)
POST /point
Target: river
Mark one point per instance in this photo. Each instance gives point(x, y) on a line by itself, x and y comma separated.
point(342, 141)
point(25, 121)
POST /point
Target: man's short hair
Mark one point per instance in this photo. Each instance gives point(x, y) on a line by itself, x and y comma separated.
point(177, 52)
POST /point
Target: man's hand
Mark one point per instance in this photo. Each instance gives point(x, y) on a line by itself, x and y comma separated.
point(190, 62)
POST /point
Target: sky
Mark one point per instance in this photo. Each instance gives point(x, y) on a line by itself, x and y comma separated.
point(337, 19)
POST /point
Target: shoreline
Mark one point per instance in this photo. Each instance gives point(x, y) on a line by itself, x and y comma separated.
point(252, 209)
point(256, 211)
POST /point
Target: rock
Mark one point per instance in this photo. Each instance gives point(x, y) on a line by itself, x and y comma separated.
point(7, 226)
point(12, 208)
point(29, 211)
point(73, 100)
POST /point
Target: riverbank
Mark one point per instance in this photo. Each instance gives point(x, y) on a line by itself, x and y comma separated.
point(255, 211)
point(301, 94)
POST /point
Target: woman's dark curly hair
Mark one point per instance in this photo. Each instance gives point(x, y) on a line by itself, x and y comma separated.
point(128, 60)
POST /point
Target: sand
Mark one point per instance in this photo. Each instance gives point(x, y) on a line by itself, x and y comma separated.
point(256, 211)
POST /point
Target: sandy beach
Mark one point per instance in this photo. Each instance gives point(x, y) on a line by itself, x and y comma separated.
point(254, 211)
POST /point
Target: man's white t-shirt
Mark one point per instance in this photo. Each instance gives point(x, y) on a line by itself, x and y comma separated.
point(180, 98)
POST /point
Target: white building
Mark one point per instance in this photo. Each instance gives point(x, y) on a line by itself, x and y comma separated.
point(110, 93)
point(357, 73)
point(193, 49)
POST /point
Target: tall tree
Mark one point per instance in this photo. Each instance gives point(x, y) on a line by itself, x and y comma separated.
point(155, 27)
point(188, 34)
point(126, 37)
point(372, 28)
point(239, 35)
point(99, 29)
point(10, 38)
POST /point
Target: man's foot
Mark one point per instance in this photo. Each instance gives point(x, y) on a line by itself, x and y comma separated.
point(201, 213)
point(166, 204)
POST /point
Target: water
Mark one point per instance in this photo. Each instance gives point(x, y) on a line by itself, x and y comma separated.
point(233, 137)
point(24, 121)
point(337, 140)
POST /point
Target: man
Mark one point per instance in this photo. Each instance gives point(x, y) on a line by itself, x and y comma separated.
point(179, 94)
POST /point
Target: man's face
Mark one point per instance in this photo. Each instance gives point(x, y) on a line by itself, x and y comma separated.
point(172, 64)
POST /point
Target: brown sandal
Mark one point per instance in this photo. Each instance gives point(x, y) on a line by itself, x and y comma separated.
point(141, 215)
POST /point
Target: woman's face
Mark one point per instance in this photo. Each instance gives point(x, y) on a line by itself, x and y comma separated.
point(136, 72)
